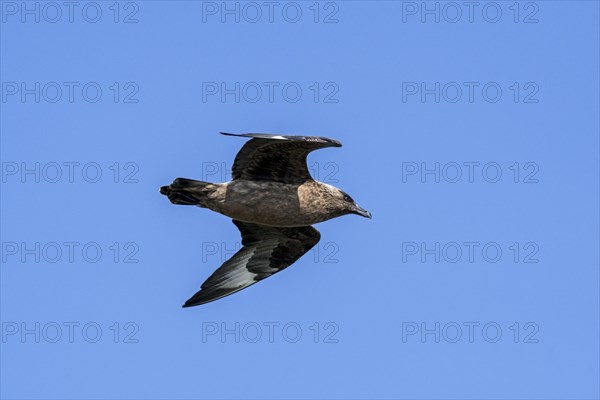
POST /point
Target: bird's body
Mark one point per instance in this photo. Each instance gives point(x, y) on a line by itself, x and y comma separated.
point(260, 202)
point(273, 200)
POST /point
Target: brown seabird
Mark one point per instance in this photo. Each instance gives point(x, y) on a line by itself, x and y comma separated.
point(273, 200)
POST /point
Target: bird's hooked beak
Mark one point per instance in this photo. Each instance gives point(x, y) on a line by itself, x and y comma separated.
point(362, 212)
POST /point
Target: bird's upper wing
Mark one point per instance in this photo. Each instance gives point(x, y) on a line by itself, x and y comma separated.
point(266, 250)
point(277, 158)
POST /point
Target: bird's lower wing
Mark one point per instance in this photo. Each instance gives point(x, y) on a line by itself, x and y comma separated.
point(267, 250)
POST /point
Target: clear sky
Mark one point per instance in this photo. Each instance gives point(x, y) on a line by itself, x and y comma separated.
point(469, 131)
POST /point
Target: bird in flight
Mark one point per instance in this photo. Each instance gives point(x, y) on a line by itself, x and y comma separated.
point(273, 201)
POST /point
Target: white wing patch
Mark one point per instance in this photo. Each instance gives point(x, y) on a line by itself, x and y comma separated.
point(239, 276)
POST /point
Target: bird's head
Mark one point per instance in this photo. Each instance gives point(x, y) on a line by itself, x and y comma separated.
point(344, 204)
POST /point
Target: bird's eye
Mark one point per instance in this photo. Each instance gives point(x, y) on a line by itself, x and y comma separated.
point(348, 198)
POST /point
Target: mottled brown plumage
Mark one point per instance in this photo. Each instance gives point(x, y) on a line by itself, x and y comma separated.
point(273, 200)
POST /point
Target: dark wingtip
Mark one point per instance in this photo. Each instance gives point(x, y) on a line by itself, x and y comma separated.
point(193, 301)
point(190, 302)
point(336, 143)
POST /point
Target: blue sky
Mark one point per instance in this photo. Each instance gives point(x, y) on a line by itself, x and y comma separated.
point(470, 133)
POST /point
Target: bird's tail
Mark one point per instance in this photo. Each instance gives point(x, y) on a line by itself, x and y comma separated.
point(188, 191)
